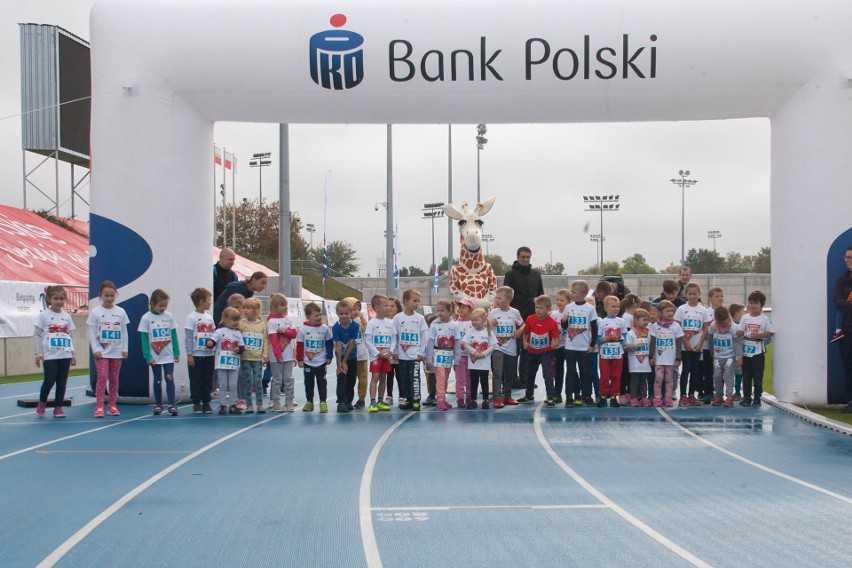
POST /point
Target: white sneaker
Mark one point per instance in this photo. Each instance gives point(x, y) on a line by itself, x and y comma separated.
point(389, 400)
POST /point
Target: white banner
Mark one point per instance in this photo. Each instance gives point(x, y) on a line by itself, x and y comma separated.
point(20, 304)
point(296, 311)
point(331, 312)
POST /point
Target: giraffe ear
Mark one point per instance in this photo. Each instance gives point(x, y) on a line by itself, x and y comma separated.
point(452, 212)
point(485, 206)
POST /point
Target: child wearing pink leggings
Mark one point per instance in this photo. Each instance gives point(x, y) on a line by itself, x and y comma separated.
point(464, 308)
point(107, 325)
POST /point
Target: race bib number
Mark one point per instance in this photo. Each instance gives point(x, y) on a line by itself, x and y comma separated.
point(611, 351)
point(228, 361)
point(539, 341)
point(59, 341)
point(253, 341)
point(161, 333)
point(383, 341)
point(751, 348)
point(643, 349)
point(722, 341)
point(201, 339)
point(409, 339)
point(109, 333)
point(443, 358)
point(504, 331)
point(665, 344)
point(314, 347)
point(693, 325)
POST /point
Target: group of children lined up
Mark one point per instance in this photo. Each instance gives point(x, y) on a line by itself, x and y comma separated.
point(577, 351)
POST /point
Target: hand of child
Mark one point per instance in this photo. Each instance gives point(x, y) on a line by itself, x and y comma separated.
point(266, 360)
point(151, 363)
point(591, 349)
point(124, 354)
point(652, 361)
point(739, 361)
point(210, 344)
point(740, 333)
point(73, 361)
point(38, 360)
point(177, 359)
point(421, 358)
point(98, 355)
point(518, 333)
point(301, 364)
point(526, 346)
point(342, 367)
point(190, 360)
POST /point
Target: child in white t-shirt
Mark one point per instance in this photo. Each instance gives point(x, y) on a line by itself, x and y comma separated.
point(314, 353)
point(580, 320)
point(228, 342)
point(727, 351)
point(161, 348)
point(508, 325)
point(563, 298)
point(666, 345)
point(694, 320)
point(199, 327)
point(411, 336)
point(755, 328)
point(281, 332)
point(442, 350)
point(54, 346)
point(478, 344)
point(107, 325)
point(638, 347)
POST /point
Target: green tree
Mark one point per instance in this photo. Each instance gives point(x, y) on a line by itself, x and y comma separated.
point(737, 263)
point(498, 265)
point(257, 230)
point(555, 268)
point(637, 264)
point(412, 271)
point(609, 267)
point(705, 261)
point(341, 257)
point(763, 260)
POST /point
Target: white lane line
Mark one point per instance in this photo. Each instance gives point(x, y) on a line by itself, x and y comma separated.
point(491, 507)
point(47, 416)
point(39, 392)
point(78, 536)
point(365, 512)
point(745, 460)
point(674, 547)
point(77, 435)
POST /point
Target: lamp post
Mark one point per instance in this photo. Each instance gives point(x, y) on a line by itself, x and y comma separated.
point(432, 211)
point(260, 161)
point(714, 235)
point(683, 183)
point(487, 238)
point(481, 141)
point(598, 240)
point(310, 228)
point(602, 204)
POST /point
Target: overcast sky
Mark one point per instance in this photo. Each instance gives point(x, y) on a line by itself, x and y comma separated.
point(538, 174)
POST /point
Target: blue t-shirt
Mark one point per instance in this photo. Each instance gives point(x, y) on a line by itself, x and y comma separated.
point(344, 336)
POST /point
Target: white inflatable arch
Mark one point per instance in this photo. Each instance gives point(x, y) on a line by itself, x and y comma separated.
point(184, 64)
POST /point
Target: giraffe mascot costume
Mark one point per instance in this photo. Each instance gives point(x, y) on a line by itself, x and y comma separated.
point(472, 277)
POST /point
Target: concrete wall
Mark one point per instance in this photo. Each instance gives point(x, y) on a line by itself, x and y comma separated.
point(17, 358)
point(646, 286)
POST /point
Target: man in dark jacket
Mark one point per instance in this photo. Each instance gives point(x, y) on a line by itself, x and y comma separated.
point(527, 285)
point(841, 300)
point(222, 273)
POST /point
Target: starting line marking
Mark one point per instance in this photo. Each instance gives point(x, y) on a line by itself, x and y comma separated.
point(491, 507)
point(113, 451)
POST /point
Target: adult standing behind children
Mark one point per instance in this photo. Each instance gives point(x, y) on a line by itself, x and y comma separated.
point(842, 299)
point(247, 288)
point(527, 284)
point(222, 273)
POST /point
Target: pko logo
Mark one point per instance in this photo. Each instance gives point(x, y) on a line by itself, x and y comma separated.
point(337, 60)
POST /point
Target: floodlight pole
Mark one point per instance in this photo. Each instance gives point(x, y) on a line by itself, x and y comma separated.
point(602, 203)
point(683, 183)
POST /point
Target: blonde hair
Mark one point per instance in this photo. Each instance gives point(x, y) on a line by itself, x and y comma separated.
point(377, 299)
point(612, 300)
point(543, 300)
point(277, 300)
point(236, 300)
point(479, 312)
point(408, 294)
point(565, 293)
point(506, 291)
point(581, 284)
point(251, 304)
point(230, 314)
point(446, 304)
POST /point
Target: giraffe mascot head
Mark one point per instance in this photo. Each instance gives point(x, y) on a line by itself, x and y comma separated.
point(472, 277)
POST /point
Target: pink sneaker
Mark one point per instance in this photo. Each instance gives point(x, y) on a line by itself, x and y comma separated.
point(58, 412)
point(622, 399)
point(729, 402)
point(241, 404)
point(249, 409)
point(460, 403)
point(684, 401)
point(443, 405)
point(99, 411)
point(657, 403)
point(668, 403)
point(113, 411)
point(646, 402)
point(634, 402)
point(40, 409)
point(693, 401)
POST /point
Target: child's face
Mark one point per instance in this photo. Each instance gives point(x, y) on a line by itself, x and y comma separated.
point(654, 313)
point(412, 303)
point(233, 323)
point(281, 309)
point(236, 303)
point(355, 312)
point(692, 296)
point(381, 309)
point(442, 312)
point(478, 322)
point(670, 296)
point(391, 308)
point(315, 318)
point(641, 322)
point(108, 297)
point(205, 304)
point(56, 302)
point(754, 309)
point(578, 294)
point(561, 301)
point(160, 307)
point(251, 314)
point(502, 301)
point(717, 299)
point(541, 311)
point(668, 313)
point(612, 308)
point(344, 314)
point(464, 311)
point(736, 316)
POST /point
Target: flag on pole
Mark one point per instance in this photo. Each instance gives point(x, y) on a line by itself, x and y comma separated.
point(234, 169)
point(229, 158)
point(436, 284)
point(325, 227)
point(217, 155)
point(396, 251)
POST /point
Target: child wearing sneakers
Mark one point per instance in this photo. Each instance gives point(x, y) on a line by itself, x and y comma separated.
point(281, 333)
point(54, 346)
point(464, 308)
point(715, 298)
point(725, 355)
point(107, 325)
point(442, 350)
point(394, 307)
point(256, 353)
point(477, 346)
point(754, 328)
point(363, 366)
point(508, 326)
point(629, 305)
point(563, 298)
point(429, 368)
point(199, 327)
point(314, 352)
point(344, 333)
point(228, 342)
point(161, 348)
point(737, 311)
point(541, 336)
point(638, 347)
point(666, 345)
point(411, 337)
point(612, 332)
point(381, 343)
point(694, 320)
point(580, 320)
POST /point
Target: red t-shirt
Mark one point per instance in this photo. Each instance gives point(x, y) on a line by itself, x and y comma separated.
point(540, 332)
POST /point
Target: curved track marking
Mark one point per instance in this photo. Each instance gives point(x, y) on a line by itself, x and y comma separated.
point(365, 511)
point(745, 460)
point(674, 547)
point(78, 536)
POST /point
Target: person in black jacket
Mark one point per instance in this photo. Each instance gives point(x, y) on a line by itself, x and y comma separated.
point(842, 300)
point(527, 285)
point(222, 273)
point(248, 287)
